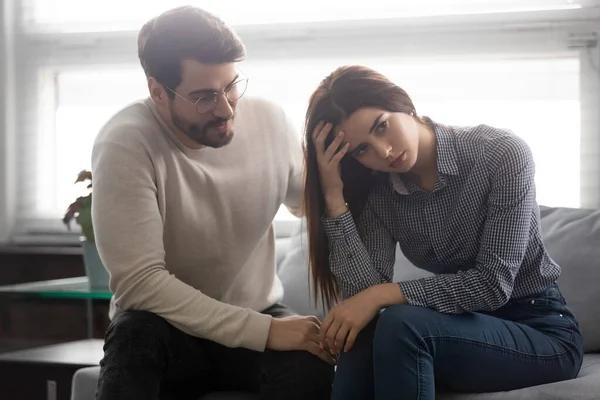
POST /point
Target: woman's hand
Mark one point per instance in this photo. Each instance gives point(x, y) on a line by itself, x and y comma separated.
point(345, 321)
point(329, 165)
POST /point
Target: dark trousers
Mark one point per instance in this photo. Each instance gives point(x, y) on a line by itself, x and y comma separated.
point(147, 358)
point(408, 351)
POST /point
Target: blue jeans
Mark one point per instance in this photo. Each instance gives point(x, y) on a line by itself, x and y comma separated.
point(408, 351)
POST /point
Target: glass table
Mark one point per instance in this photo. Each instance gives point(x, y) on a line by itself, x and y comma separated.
point(68, 288)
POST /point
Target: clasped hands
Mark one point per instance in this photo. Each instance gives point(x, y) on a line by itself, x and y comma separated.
point(345, 321)
point(340, 328)
point(325, 340)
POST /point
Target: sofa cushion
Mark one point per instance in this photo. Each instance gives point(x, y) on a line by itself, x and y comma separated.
point(83, 385)
point(572, 237)
point(294, 276)
point(282, 246)
point(585, 387)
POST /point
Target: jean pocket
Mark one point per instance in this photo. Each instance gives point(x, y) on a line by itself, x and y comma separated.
point(540, 302)
point(542, 305)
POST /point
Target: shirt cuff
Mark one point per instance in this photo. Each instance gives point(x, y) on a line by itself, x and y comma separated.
point(338, 227)
point(256, 332)
point(414, 292)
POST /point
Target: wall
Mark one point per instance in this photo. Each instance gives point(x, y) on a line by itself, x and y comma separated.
point(7, 117)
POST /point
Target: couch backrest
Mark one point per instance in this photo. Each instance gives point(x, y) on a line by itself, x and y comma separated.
point(572, 237)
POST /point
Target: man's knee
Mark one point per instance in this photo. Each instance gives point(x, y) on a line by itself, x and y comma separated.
point(300, 368)
point(136, 329)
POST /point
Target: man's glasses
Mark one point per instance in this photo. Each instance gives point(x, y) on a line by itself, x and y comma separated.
point(209, 100)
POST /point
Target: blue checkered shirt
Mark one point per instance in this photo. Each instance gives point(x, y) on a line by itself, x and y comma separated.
point(477, 231)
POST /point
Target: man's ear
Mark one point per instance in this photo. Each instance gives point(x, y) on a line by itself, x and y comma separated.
point(158, 93)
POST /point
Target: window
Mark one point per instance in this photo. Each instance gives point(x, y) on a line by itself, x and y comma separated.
point(514, 94)
point(86, 99)
point(459, 70)
point(114, 15)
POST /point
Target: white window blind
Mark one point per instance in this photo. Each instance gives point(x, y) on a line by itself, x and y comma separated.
point(114, 15)
point(514, 94)
point(524, 78)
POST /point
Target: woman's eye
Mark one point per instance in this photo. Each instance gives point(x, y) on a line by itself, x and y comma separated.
point(382, 126)
point(360, 150)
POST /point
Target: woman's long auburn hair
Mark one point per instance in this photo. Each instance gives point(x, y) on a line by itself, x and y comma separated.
point(338, 96)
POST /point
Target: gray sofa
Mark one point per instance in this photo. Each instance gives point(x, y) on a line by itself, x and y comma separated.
point(573, 240)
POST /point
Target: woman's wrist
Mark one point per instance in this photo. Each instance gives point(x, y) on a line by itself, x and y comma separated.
point(337, 211)
point(387, 294)
point(335, 204)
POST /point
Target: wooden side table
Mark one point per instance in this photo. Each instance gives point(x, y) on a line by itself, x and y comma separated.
point(46, 373)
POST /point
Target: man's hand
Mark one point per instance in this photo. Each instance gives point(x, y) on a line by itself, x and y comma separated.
point(297, 333)
point(344, 322)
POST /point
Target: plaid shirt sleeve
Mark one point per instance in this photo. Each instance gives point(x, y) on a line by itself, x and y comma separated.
point(360, 260)
point(503, 243)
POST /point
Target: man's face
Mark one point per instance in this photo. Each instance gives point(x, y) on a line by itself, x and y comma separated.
point(191, 110)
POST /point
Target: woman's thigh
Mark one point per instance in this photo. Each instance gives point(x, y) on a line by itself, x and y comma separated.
point(353, 379)
point(523, 344)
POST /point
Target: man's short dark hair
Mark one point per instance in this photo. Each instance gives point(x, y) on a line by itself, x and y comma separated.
point(185, 33)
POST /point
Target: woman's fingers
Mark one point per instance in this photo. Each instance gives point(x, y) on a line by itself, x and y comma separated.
point(320, 134)
point(325, 326)
point(334, 147)
point(340, 154)
point(314, 348)
point(331, 334)
point(317, 130)
point(351, 339)
point(340, 337)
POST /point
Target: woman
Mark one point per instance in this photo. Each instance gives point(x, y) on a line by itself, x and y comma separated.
point(461, 204)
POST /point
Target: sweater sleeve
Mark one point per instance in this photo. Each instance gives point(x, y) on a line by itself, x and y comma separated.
point(129, 234)
point(294, 196)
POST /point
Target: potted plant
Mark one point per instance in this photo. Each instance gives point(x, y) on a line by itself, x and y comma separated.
point(81, 211)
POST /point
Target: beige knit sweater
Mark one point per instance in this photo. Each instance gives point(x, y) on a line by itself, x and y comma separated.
point(187, 234)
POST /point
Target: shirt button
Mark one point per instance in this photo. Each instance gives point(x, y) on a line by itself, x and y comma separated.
point(532, 301)
point(560, 315)
point(350, 256)
point(337, 223)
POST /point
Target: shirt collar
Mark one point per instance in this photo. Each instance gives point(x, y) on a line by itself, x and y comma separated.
point(446, 158)
point(446, 152)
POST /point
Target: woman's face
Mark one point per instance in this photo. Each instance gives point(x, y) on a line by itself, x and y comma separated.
point(382, 140)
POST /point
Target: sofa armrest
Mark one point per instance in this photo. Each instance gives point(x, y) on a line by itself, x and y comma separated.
point(282, 246)
point(84, 383)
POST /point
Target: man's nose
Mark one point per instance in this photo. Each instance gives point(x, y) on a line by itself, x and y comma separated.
point(223, 109)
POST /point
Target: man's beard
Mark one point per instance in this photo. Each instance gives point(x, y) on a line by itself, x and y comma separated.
point(206, 134)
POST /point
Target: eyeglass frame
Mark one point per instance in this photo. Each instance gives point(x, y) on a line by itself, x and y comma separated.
point(216, 94)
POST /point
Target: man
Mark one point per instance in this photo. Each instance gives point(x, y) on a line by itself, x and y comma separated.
point(183, 210)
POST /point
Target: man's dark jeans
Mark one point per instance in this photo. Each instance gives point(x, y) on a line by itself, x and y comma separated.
point(147, 358)
point(409, 350)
